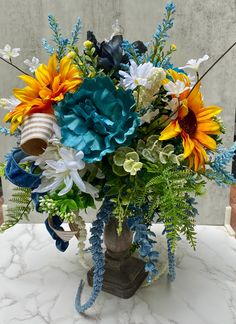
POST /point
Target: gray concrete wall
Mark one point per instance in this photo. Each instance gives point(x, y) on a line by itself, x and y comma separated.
point(200, 27)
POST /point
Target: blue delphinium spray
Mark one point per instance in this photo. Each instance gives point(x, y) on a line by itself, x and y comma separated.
point(59, 40)
point(142, 237)
point(170, 255)
point(161, 33)
point(218, 171)
point(97, 256)
point(75, 32)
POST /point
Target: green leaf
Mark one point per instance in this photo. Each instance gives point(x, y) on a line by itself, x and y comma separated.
point(120, 155)
point(71, 204)
point(132, 156)
point(118, 170)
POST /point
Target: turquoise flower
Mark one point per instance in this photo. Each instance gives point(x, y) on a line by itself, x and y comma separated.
point(97, 118)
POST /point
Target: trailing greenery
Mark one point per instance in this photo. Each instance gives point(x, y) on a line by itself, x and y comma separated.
point(20, 207)
point(163, 192)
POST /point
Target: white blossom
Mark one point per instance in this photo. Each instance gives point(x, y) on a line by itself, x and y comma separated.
point(7, 53)
point(63, 172)
point(175, 88)
point(194, 64)
point(173, 105)
point(9, 103)
point(33, 64)
point(139, 75)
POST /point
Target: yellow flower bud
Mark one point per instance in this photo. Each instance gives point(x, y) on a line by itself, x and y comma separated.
point(87, 44)
point(173, 47)
point(71, 54)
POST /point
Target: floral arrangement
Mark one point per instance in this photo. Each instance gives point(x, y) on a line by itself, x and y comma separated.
point(114, 122)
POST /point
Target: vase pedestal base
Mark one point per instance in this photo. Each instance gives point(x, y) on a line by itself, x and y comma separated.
point(122, 277)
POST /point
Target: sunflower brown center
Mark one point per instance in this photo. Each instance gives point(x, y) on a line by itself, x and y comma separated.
point(189, 123)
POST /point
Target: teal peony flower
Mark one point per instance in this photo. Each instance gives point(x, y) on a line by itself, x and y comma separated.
point(97, 118)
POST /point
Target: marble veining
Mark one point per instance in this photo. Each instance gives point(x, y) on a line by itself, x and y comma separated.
point(38, 284)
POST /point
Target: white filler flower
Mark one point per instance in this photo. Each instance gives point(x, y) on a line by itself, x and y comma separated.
point(138, 75)
point(33, 64)
point(7, 53)
point(194, 64)
point(9, 103)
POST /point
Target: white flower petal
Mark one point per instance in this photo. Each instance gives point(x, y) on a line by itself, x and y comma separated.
point(48, 185)
point(93, 191)
point(33, 64)
point(78, 181)
point(68, 185)
point(194, 64)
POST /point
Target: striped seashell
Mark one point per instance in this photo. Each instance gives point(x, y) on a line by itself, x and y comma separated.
point(37, 129)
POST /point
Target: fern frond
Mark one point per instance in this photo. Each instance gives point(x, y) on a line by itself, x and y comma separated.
point(21, 206)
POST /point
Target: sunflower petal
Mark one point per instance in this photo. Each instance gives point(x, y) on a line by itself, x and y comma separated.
point(52, 65)
point(187, 144)
point(205, 140)
point(208, 112)
point(195, 101)
point(172, 130)
point(65, 65)
point(31, 82)
point(42, 75)
point(25, 95)
point(209, 127)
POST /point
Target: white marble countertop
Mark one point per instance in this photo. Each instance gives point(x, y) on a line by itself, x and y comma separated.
point(38, 284)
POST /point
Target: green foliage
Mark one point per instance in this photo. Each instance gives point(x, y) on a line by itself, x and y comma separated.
point(153, 151)
point(126, 161)
point(2, 169)
point(87, 62)
point(20, 207)
point(65, 206)
point(164, 192)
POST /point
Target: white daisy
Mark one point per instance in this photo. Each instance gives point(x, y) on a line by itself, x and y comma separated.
point(7, 53)
point(138, 75)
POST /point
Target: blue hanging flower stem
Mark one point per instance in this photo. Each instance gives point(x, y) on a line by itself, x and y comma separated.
point(145, 243)
point(170, 254)
point(171, 261)
point(97, 256)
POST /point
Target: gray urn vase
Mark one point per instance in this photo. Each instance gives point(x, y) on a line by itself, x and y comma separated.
point(123, 273)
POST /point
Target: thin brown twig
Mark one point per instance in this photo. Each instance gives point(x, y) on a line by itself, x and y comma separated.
point(16, 67)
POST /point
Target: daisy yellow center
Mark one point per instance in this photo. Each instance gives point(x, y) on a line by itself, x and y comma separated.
point(189, 123)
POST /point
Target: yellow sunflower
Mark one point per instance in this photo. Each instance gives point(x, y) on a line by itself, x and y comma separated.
point(194, 123)
point(49, 86)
